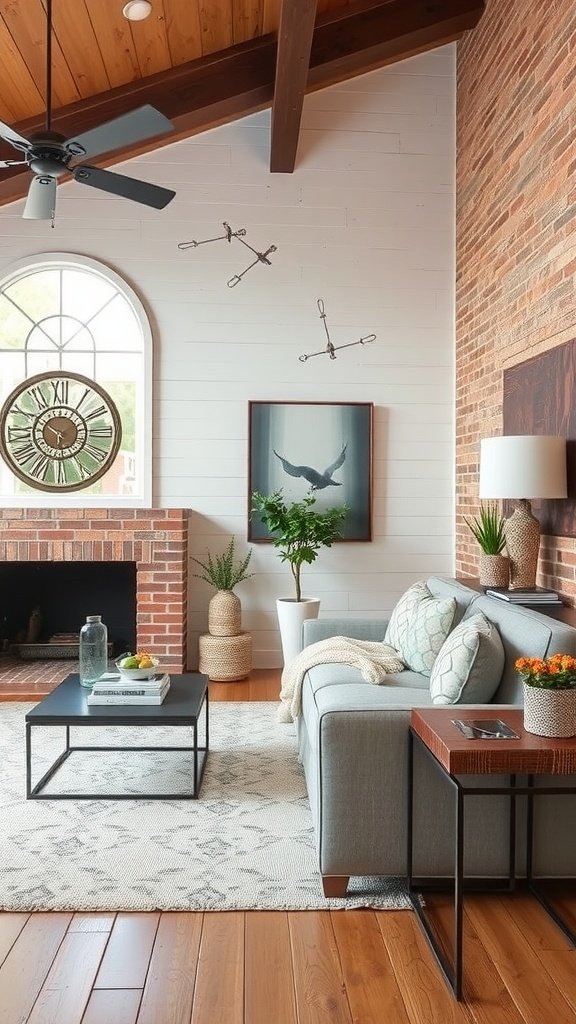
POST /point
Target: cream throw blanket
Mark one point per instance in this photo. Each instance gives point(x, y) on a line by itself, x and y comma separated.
point(374, 660)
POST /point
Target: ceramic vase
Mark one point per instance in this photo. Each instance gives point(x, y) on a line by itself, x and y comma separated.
point(291, 615)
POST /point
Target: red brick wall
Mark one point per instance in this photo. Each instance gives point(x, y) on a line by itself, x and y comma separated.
point(516, 229)
point(157, 540)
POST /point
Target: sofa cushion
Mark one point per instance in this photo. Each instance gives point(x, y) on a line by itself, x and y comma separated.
point(470, 663)
point(419, 625)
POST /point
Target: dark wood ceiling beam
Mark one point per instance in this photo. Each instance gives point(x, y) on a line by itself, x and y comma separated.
point(295, 32)
point(216, 89)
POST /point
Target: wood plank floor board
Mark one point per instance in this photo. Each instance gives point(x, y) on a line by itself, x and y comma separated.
point(561, 966)
point(510, 949)
point(485, 992)
point(371, 986)
point(125, 963)
point(10, 927)
point(94, 922)
point(113, 1006)
point(318, 979)
point(219, 992)
point(425, 993)
point(25, 968)
point(66, 990)
point(268, 971)
point(169, 989)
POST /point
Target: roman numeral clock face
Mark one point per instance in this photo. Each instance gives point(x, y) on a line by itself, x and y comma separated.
point(59, 431)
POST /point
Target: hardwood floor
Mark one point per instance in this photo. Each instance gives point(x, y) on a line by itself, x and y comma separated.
point(345, 967)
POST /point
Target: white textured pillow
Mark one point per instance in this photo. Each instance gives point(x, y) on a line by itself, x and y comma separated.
point(469, 665)
point(419, 625)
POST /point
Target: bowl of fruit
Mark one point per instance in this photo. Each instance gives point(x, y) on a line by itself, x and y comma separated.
point(137, 666)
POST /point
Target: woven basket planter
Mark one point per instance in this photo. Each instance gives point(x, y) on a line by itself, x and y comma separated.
point(224, 614)
point(225, 658)
point(549, 712)
point(494, 571)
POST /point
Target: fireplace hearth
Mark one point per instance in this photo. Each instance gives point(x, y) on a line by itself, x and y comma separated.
point(44, 605)
point(90, 557)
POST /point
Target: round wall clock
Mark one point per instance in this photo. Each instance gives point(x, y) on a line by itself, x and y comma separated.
point(59, 431)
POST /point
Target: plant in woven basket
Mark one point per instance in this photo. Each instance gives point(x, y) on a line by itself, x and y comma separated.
point(488, 529)
point(298, 530)
point(558, 672)
point(223, 571)
point(549, 694)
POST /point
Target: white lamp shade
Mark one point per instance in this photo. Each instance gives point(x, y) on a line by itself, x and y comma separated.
point(523, 466)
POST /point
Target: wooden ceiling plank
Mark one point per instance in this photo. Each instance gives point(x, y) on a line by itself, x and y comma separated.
point(210, 91)
point(26, 23)
point(295, 35)
point(75, 36)
point(151, 42)
point(183, 30)
point(271, 16)
point(18, 93)
point(247, 19)
point(112, 31)
point(215, 25)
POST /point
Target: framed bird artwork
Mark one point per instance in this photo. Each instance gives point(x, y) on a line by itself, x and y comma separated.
point(323, 448)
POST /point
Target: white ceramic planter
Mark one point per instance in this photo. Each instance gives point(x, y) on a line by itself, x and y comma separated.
point(549, 712)
point(291, 615)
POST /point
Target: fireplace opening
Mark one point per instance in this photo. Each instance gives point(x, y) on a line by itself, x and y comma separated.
point(43, 605)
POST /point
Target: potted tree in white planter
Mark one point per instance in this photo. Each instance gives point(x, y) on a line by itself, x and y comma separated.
point(298, 531)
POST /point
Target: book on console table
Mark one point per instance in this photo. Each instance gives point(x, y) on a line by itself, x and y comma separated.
point(537, 595)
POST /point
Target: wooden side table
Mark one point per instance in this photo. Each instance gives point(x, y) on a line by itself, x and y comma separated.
point(452, 755)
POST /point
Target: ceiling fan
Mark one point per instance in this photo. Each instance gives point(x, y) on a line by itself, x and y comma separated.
point(49, 155)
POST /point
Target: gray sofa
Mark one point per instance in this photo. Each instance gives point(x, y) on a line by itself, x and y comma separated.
point(353, 740)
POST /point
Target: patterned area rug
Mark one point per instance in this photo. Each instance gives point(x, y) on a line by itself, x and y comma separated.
point(247, 843)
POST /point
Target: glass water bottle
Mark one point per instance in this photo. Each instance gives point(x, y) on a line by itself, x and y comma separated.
point(93, 650)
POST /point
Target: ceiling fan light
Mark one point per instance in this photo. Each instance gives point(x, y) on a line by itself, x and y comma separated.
point(137, 10)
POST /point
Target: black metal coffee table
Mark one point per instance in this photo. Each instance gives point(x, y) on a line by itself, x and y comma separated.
point(183, 705)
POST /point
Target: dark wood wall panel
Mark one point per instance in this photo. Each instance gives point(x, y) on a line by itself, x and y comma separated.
point(539, 398)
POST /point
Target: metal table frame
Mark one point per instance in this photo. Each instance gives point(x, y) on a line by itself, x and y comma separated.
point(452, 972)
point(200, 756)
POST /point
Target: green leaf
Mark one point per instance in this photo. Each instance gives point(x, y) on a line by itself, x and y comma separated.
point(297, 530)
point(222, 571)
point(488, 529)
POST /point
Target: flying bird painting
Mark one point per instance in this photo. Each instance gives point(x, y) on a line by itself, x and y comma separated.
point(318, 448)
point(316, 480)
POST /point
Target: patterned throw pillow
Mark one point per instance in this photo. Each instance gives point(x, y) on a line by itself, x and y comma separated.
point(419, 626)
point(470, 664)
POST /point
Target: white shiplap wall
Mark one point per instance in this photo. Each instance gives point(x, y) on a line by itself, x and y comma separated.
point(367, 223)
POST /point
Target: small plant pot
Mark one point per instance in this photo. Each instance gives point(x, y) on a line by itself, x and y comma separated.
point(494, 571)
point(549, 712)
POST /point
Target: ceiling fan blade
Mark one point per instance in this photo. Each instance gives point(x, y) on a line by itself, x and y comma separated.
point(11, 163)
point(9, 135)
point(41, 200)
point(121, 185)
point(139, 124)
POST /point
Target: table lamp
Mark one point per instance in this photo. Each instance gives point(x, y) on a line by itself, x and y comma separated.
point(523, 467)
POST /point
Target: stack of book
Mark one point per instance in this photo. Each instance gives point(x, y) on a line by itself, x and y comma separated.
point(537, 595)
point(112, 688)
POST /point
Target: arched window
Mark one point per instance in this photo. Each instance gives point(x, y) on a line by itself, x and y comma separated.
point(62, 312)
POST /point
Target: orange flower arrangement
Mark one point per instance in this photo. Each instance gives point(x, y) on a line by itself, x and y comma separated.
point(558, 672)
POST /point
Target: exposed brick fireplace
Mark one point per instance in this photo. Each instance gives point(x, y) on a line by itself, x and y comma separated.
point(156, 540)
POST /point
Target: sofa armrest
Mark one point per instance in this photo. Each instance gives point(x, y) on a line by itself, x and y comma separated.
point(360, 629)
